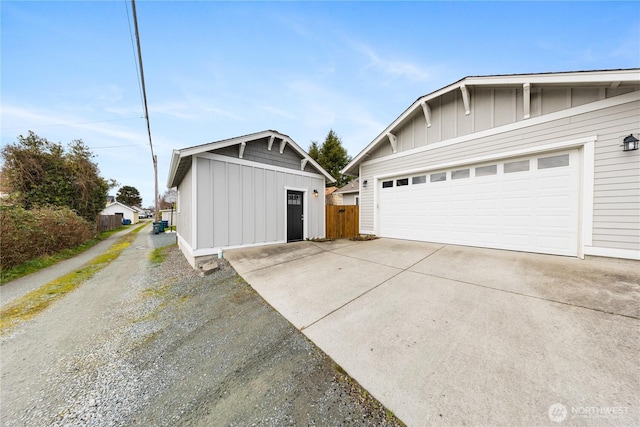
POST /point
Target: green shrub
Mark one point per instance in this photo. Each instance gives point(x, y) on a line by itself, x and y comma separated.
point(27, 234)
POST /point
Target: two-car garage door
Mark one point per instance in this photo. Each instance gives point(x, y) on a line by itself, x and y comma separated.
point(527, 204)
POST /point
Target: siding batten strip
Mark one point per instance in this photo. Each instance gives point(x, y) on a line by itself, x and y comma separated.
point(526, 95)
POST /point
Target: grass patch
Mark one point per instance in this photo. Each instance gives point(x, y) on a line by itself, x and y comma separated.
point(37, 264)
point(320, 239)
point(363, 237)
point(34, 302)
point(158, 255)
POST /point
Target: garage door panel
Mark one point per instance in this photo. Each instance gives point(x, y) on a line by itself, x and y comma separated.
point(534, 210)
point(553, 183)
point(555, 206)
point(518, 185)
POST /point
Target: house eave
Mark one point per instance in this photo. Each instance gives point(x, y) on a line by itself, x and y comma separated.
point(183, 156)
point(578, 78)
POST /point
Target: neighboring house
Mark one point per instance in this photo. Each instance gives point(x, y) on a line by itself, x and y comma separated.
point(530, 162)
point(246, 191)
point(110, 199)
point(116, 208)
point(330, 196)
point(169, 215)
point(141, 212)
point(350, 193)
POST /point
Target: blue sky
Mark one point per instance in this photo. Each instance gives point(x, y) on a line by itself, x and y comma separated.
point(216, 70)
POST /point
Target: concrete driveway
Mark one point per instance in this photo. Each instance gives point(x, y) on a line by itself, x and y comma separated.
point(451, 335)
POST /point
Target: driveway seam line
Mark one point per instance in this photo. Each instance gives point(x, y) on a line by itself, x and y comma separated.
point(369, 290)
point(323, 250)
point(380, 263)
point(529, 296)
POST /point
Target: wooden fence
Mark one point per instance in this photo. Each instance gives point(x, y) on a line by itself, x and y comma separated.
point(342, 222)
point(109, 222)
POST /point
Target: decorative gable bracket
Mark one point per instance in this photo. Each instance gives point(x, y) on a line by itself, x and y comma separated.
point(465, 99)
point(427, 112)
point(271, 139)
point(283, 143)
point(393, 140)
point(243, 145)
point(303, 163)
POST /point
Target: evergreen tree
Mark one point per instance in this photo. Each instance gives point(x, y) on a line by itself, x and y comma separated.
point(314, 151)
point(129, 196)
point(332, 156)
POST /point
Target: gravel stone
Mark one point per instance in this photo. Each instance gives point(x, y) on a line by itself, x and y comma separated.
point(178, 349)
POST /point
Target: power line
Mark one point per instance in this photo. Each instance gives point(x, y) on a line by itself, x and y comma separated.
point(76, 123)
point(115, 146)
point(133, 51)
point(146, 109)
point(144, 90)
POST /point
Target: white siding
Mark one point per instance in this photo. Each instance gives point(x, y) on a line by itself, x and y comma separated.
point(489, 108)
point(127, 213)
point(243, 203)
point(185, 208)
point(617, 173)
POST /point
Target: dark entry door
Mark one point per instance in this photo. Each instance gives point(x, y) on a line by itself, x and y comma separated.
point(295, 217)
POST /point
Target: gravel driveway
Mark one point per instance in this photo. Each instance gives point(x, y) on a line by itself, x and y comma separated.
point(159, 345)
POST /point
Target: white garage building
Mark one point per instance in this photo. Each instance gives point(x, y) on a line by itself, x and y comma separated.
point(530, 163)
point(250, 190)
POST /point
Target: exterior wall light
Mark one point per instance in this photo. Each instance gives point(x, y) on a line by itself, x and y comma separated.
point(315, 193)
point(364, 183)
point(630, 143)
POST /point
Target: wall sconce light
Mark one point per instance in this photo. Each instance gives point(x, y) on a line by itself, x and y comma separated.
point(630, 143)
point(315, 193)
point(364, 183)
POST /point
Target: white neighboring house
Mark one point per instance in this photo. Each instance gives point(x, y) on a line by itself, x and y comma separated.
point(119, 208)
point(141, 212)
point(350, 193)
point(529, 162)
point(250, 190)
point(169, 215)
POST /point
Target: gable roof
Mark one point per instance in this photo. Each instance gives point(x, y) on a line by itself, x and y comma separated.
point(352, 187)
point(120, 204)
point(181, 159)
point(604, 78)
point(330, 190)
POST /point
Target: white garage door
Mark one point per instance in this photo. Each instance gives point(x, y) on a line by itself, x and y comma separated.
point(526, 204)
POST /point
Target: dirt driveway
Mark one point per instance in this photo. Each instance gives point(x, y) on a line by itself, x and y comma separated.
point(448, 335)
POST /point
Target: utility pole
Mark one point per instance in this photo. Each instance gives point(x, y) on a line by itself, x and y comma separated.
point(144, 99)
point(155, 172)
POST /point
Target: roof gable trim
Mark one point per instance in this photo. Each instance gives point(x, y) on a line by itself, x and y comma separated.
point(245, 162)
point(242, 141)
point(585, 108)
point(523, 80)
point(120, 204)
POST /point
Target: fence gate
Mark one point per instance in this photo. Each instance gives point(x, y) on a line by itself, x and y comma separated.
point(342, 222)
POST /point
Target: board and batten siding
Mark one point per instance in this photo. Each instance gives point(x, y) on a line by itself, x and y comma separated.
point(244, 204)
point(490, 108)
point(185, 204)
point(616, 190)
point(258, 151)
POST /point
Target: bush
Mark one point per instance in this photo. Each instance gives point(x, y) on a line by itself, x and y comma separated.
point(28, 234)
